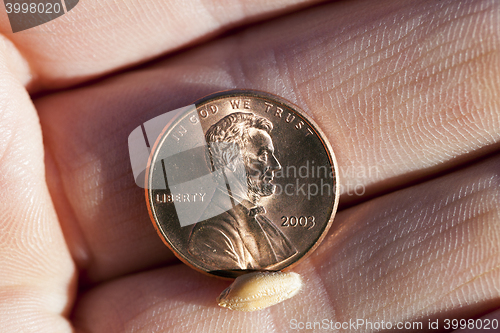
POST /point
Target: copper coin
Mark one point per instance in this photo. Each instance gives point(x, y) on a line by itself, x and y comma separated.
point(241, 181)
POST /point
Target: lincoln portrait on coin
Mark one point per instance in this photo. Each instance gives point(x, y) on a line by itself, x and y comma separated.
point(234, 233)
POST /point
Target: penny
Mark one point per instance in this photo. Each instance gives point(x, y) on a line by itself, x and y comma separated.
point(241, 181)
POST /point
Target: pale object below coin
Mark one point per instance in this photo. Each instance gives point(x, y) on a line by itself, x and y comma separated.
point(259, 290)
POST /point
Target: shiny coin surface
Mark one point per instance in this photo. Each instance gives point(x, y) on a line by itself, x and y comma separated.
point(241, 181)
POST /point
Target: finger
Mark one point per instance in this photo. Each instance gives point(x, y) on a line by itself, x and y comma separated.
point(428, 252)
point(36, 270)
point(418, 255)
point(98, 37)
point(391, 122)
point(102, 309)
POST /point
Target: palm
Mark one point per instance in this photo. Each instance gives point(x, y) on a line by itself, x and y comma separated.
point(405, 93)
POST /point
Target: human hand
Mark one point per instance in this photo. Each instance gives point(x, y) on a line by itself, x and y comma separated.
point(407, 93)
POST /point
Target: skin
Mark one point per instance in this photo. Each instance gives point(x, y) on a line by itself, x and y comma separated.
point(406, 91)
